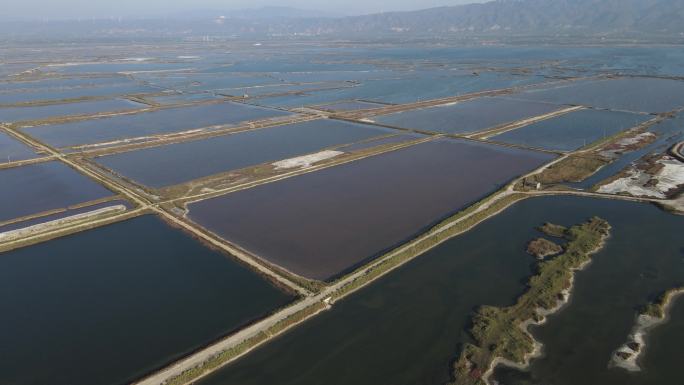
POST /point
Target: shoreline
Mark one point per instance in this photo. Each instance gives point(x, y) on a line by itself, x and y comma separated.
point(628, 354)
point(538, 348)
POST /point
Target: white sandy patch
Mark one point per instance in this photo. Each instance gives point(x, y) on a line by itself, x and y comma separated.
point(618, 148)
point(306, 160)
point(635, 139)
point(644, 324)
point(71, 64)
point(47, 226)
point(137, 59)
point(670, 177)
point(138, 139)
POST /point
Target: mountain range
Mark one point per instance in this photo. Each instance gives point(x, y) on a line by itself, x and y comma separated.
point(550, 18)
point(528, 16)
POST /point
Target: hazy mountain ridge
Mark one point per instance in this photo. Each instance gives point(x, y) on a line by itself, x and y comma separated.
point(530, 16)
point(501, 18)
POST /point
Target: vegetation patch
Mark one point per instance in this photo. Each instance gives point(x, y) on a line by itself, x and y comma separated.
point(542, 248)
point(553, 230)
point(500, 334)
point(574, 168)
point(657, 308)
point(650, 316)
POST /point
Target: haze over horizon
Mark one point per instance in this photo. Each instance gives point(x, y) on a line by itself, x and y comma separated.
point(73, 9)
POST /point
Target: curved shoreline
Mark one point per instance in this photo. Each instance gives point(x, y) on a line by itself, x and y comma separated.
point(628, 354)
point(678, 151)
point(544, 314)
point(501, 335)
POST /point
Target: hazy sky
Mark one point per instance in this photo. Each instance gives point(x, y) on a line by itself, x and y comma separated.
point(128, 8)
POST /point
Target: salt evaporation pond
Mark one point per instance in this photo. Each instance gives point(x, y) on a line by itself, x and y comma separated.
point(180, 162)
point(11, 98)
point(16, 114)
point(64, 83)
point(350, 105)
point(118, 67)
point(184, 98)
point(149, 123)
point(467, 117)
point(109, 305)
point(41, 187)
point(380, 142)
point(12, 149)
point(573, 130)
point(629, 94)
point(406, 88)
point(325, 223)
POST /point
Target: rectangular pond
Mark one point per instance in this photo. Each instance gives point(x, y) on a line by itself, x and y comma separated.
point(574, 130)
point(63, 83)
point(118, 67)
point(408, 87)
point(408, 327)
point(630, 94)
point(197, 82)
point(184, 98)
point(281, 89)
point(12, 98)
point(180, 162)
point(109, 305)
point(350, 105)
point(12, 149)
point(322, 224)
point(26, 113)
point(467, 117)
point(142, 124)
point(380, 142)
point(41, 187)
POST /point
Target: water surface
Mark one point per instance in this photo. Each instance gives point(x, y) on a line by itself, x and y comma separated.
point(12, 149)
point(41, 95)
point(629, 94)
point(574, 130)
point(406, 328)
point(350, 105)
point(176, 163)
point(324, 223)
point(638, 263)
point(466, 117)
point(41, 187)
point(15, 114)
point(63, 83)
point(111, 304)
point(149, 123)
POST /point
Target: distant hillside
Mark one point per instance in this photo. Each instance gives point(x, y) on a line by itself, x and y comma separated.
point(499, 18)
point(527, 16)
